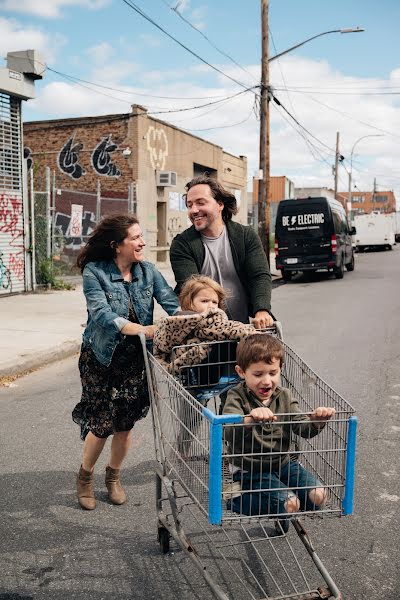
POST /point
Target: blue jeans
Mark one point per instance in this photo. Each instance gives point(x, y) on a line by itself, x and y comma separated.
point(270, 499)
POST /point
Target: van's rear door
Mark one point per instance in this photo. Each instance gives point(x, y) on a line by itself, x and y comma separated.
point(303, 233)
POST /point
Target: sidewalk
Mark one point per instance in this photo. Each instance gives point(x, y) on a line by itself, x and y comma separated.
point(39, 328)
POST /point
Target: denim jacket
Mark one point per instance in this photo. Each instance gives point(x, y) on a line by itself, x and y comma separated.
point(108, 303)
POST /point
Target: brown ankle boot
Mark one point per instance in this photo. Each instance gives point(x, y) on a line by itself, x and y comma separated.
point(114, 487)
point(84, 488)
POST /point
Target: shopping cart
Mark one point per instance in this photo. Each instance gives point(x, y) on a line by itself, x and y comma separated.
point(198, 492)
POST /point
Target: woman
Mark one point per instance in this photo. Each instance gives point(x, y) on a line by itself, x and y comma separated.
point(120, 288)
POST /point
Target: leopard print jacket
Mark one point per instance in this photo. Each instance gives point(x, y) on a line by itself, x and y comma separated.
point(195, 328)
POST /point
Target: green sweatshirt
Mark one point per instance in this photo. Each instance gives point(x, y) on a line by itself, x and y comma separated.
point(187, 257)
point(257, 443)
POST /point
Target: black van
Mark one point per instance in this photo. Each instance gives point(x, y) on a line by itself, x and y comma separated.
point(312, 234)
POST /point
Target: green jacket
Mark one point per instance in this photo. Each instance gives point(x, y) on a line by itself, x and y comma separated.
point(187, 256)
point(258, 443)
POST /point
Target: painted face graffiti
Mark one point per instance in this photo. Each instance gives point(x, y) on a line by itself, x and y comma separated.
point(101, 158)
point(68, 157)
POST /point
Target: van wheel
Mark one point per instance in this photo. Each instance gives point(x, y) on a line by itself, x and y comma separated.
point(286, 275)
point(350, 265)
point(339, 271)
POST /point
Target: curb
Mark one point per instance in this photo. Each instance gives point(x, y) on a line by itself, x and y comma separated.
point(40, 359)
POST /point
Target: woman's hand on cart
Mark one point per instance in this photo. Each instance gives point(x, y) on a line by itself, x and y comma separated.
point(149, 331)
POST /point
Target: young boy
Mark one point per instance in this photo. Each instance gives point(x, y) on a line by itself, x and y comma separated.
point(272, 482)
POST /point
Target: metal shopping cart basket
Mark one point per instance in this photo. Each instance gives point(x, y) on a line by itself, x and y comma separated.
point(199, 496)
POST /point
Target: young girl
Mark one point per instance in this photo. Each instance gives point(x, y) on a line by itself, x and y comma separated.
point(202, 319)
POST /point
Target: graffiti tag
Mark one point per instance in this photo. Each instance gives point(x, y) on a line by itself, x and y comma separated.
point(10, 215)
point(28, 157)
point(157, 145)
point(5, 275)
point(63, 223)
point(68, 157)
point(102, 160)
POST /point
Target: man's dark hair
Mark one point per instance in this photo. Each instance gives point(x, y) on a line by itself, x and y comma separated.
point(219, 193)
point(103, 241)
point(259, 347)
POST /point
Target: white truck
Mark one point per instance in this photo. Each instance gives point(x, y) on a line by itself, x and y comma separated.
point(375, 230)
point(397, 231)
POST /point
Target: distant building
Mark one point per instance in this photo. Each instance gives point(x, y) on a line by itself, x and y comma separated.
point(366, 202)
point(280, 188)
point(314, 192)
point(127, 163)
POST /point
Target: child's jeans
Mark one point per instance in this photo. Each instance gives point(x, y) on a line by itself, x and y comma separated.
point(291, 476)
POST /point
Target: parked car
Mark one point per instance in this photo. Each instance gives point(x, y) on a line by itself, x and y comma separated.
point(313, 234)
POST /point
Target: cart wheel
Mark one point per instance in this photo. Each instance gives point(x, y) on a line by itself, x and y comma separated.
point(163, 539)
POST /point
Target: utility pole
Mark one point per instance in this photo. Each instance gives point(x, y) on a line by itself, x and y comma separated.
point(336, 163)
point(263, 187)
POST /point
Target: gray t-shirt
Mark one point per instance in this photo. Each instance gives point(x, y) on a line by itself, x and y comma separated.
point(218, 264)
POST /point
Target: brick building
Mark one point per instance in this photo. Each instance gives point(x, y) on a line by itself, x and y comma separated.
point(139, 162)
point(366, 202)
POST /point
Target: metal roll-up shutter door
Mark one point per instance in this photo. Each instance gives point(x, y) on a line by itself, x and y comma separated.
point(12, 255)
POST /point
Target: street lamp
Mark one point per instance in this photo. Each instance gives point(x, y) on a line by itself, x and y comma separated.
point(349, 208)
point(343, 30)
point(264, 151)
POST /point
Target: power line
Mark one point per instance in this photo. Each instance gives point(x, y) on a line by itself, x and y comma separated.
point(298, 123)
point(150, 20)
point(150, 112)
point(301, 133)
point(325, 93)
point(347, 115)
point(179, 14)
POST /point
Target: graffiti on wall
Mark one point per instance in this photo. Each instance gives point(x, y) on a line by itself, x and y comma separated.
point(102, 160)
point(157, 145)
point(174, 227)
point(63, 223)
point(68, 159)
point(11, 230)
point(28, 158)
point(5, 275)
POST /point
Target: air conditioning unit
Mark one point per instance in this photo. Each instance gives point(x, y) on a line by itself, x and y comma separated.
point(166, 178)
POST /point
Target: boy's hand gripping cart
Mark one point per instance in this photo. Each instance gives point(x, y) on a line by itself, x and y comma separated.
point(244, 555)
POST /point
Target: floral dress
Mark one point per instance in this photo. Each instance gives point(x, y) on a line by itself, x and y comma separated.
point(113, 397)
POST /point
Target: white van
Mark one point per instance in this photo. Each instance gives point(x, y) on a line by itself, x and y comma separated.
point(375, 230)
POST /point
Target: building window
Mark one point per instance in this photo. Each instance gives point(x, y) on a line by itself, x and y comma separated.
point(379, 198)
point(358, 199)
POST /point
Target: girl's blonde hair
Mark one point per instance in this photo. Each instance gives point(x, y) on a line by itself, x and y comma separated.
point(194, 285)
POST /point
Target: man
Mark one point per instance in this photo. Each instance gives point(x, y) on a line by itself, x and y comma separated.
point(228, 252)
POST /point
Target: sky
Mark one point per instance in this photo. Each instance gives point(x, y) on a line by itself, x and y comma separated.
point(346, 83)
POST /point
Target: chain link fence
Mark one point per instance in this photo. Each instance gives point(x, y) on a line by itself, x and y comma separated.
point(56, 243)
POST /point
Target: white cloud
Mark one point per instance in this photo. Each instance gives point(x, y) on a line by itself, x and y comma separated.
point(354, 116)
point(14, 37)
point(101, 52)
point(153, 41)
point(49, 8)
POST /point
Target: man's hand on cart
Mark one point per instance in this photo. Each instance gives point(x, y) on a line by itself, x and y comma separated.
point(262, 319)
point(260, 413)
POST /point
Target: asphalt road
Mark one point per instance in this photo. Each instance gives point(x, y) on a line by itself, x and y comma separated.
point(346, 330)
